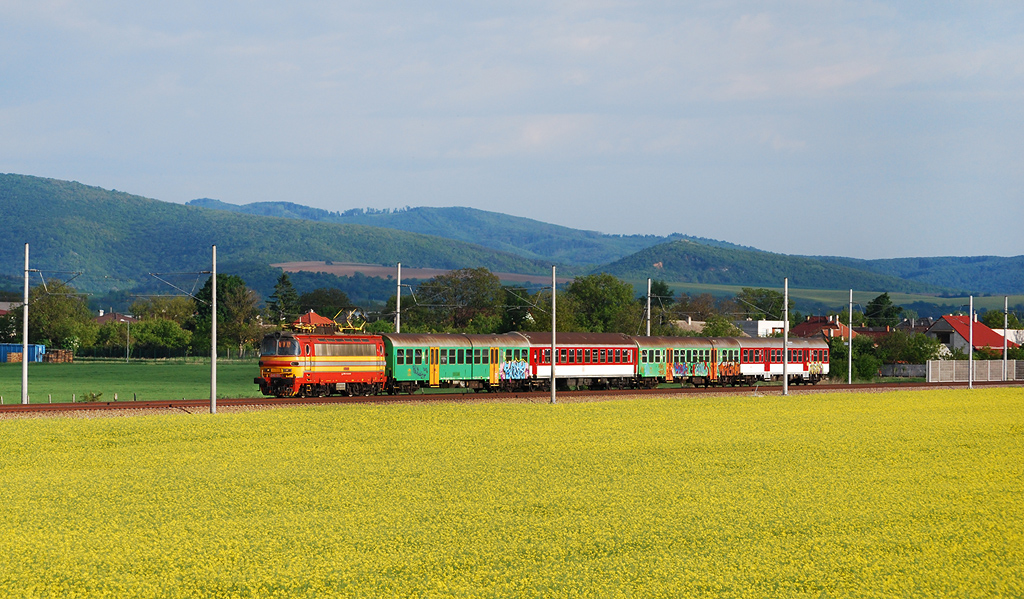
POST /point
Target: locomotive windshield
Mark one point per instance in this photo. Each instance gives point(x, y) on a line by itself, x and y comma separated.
point(279, 346)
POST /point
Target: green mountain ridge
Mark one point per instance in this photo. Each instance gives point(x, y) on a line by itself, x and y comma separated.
point(686, 261)
point(116, 239)
point(977, 274)
point(525, 237)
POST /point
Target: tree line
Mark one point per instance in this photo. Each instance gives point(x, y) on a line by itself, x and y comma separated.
point(468, 300)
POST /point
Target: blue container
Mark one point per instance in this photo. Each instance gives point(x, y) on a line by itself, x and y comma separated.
point(35, 352)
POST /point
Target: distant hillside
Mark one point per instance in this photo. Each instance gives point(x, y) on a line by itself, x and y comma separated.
point(693, 262)
point(515, 235)
point(974, 274)
point(115, 239)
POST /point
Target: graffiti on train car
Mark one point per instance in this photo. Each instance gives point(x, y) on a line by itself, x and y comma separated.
point(690, 369)
point(514, 370)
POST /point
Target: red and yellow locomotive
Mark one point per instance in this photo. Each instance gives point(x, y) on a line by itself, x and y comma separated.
point(316, 361)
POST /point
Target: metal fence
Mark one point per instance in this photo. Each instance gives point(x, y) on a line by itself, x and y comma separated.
point(904, 370)
point(956, 371)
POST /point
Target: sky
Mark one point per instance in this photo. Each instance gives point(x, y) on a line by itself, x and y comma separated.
point(821, 127)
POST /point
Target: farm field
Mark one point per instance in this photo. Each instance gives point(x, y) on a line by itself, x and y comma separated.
point(910, 493)
point(148, 380)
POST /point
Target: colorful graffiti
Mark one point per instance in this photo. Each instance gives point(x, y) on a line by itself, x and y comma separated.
point(690, 369)
point(729, 369)
point(515, 369)
point(816, 367)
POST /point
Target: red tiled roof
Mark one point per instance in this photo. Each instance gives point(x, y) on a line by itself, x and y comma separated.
point(314, 319)
point(983, 336)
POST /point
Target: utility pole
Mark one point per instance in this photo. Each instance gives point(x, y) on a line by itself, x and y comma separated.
point(849, 344)
point(213, 335)
point(1006, 331)
point(554, 352)
point(398, 301)
point(24, 337)
point(785, 336)
point(648, 307)
point(970, 345)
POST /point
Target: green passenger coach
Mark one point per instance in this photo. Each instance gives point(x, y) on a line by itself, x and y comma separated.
point(443, 361)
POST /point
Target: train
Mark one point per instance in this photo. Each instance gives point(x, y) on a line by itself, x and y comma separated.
point(323, 363)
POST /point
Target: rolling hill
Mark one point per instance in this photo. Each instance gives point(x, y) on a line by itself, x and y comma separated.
point(978, 274)
point(513, 234)
point(115, 239)
point(691, 262)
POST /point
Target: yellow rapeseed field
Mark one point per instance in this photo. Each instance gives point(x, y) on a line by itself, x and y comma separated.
point(828, 495)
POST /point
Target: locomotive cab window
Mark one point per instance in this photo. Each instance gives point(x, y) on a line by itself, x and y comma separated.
point(284, 346)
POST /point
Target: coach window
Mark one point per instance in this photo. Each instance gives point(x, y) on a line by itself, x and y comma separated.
point(418, 359)
point(572, 356)
point(443, 356)
point(547, 357)
point(400, 356)
point(561, 356)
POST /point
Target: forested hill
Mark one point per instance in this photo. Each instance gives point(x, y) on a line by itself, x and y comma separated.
point(979, 274)
point(522, 236)
point(115, 239)
point(692, 262)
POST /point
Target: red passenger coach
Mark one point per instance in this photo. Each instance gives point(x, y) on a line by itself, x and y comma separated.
point(593, 360)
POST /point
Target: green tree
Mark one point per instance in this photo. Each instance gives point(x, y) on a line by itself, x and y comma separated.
point(59, 316)
point(176, 308)
point(602, 303)
point(865, 360)
point(468, 299)
point(661, 294)
point(882, 312)
point(900, 347)
point(719, 325)
point(153, 334)
point(237, 313)
point(762, 304)
point(284, 302)
point(325, 301)
point(993, 319)
point(516, 309)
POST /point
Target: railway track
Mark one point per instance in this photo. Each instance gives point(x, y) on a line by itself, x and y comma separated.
point(199, 405)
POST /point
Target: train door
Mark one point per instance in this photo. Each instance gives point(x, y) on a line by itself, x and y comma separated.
point(669, 353)
point(713, 364)
point(494, 365)
point(434, 357)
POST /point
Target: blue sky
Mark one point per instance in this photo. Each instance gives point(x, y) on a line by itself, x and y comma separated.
point(864, 129)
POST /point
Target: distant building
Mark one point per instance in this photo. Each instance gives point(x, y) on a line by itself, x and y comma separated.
point(916, 325)
point(954, 332)
point(759, 328)
point(6, 307)
point(104, 318)
point(689, 324)
point(822, 326)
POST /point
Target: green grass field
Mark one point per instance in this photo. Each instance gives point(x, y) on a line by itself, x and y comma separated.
point(148, 380)
point(911, 493)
